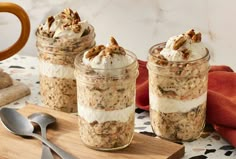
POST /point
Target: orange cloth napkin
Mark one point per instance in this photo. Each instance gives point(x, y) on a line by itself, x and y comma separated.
point(221, 98)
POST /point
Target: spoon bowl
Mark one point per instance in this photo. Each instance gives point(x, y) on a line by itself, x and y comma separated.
point(19, 125)
point(43, 120)
point(16, 123)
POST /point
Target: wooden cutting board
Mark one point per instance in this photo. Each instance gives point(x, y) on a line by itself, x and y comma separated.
point(12, 93)
point(65, 134)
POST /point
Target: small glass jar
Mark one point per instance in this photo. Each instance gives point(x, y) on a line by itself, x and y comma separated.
point(106, 104)
point(56, 69)
point(177, 95)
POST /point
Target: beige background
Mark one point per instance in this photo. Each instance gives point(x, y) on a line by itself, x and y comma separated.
point(137, 24)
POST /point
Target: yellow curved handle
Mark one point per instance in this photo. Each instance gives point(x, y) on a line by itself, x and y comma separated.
point(25, 28)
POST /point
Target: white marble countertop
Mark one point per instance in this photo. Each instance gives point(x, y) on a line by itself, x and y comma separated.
point(210, 145)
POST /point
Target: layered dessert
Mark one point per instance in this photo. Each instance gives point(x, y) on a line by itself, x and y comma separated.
point(106, 77)
point(59, 40)
point(178, 87)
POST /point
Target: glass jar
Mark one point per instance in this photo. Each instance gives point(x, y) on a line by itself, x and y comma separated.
point(56, 69)
point(177, 95)
point(106, 104)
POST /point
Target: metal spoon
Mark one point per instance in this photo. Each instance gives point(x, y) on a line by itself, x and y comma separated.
point(43, 120)
point(19, 125)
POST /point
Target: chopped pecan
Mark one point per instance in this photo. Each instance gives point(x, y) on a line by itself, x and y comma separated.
point(179, 42)
point(190, 33)
point(185, 54)
point(197, 37)
point(94, 51)
point(161, 60)
point(76, 28)
point(113, 41)
point(50, 21)
point(115, 49)
point(68, 11)
point(76, 16)
point(76, 21)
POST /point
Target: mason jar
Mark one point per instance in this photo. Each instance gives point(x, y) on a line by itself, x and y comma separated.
point(177, 95)
point(106, 104)
point(56, 69)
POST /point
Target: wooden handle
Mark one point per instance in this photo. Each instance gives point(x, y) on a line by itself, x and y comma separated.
point(25, 28)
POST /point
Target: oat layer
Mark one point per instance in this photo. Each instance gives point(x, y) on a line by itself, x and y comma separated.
point(108, 135)
point(179, 126)
point(59, 93)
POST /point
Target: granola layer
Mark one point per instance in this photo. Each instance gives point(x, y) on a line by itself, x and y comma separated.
point(179, 126)
point(59, 93)
point(107, 135)
point(107, 95)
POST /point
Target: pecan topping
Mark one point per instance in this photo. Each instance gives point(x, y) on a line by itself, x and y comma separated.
point(190, 33)
point(115, 49)
point(179, 42)
point(94, 51)
point(197, 38)
point(50, 21)
point(68, 11)
point(185, 54)
point(113, 41)
point(76, 28)
point(161, 60)
point(76, 16)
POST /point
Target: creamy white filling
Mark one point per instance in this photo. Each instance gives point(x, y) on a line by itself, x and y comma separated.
point(53, 70)
point(167, 105)
point(197, 50)
point(91, 115)
point(107, 62)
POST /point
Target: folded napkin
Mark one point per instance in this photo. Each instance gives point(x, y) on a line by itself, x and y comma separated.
point(221, 98)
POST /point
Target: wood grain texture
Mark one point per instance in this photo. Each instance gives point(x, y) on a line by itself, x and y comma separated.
point(65, 134)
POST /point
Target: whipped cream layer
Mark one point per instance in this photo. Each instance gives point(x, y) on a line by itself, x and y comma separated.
point(110, 59)
point(64, 24)
point(101, 116)
point(53, 70)
point(108, 62)
point(184, 47)
point(167, 105)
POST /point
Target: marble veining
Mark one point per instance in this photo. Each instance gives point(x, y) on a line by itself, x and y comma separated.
point(137, 24)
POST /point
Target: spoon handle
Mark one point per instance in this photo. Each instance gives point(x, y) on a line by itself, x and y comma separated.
point(46, 152)
point(63, 154)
